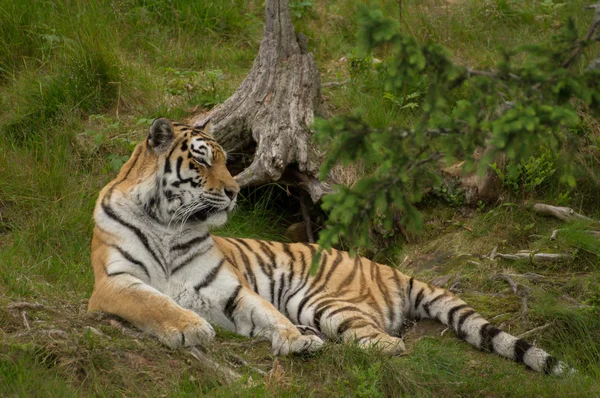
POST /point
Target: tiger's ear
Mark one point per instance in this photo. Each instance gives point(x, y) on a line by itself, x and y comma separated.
point(208, 128)
point(160, 135)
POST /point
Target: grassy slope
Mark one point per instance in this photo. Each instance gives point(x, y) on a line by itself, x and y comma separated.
point(78, 83)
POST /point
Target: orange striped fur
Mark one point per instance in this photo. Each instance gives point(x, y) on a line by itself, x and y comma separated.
point(157, 266)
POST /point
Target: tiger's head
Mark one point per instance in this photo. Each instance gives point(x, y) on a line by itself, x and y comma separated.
point(178, 175)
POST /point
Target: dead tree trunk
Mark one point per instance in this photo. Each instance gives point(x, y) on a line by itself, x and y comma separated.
point(273, 107)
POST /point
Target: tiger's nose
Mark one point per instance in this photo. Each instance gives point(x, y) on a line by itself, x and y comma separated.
point(231, 193)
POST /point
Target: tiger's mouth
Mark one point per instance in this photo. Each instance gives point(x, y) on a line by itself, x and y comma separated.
point(207, 212)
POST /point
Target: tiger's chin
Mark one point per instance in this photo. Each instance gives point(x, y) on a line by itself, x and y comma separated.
point(217, 219)
point(210, 217)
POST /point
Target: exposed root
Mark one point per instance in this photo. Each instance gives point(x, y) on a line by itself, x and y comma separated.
point(228, 375)
point(315, 188)
point(306, 219)
point(23, 305)
point(242, 362)
point(124, 329)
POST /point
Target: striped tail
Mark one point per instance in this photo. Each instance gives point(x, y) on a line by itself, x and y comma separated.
point(426, 301)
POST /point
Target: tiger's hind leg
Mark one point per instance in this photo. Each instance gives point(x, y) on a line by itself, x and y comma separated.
point(351, 324)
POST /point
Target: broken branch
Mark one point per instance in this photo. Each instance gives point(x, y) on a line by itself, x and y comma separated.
point(535, 330)
point(563, 213)
point(536, 257)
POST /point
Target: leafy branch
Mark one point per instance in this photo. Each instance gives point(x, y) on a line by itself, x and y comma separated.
point(529, 100)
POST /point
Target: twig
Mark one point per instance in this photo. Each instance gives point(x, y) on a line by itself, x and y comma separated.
point(25, 320)
point(55, 333)
point(498, 316)
point(588, 36)
point(574, 302)
point(563, 213)
point(431, 158)
point(206, 363)
point(535, 330)
point(493, 253)
point(474, 263)
point(530, 276)
point(536, 257)
point(523, 293)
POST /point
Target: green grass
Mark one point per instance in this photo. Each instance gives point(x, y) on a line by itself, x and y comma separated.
point(79, 81)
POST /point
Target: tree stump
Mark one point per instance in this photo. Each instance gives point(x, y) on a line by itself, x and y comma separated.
point(273, 108)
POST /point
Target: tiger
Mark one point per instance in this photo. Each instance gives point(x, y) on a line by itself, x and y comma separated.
point(157, 266)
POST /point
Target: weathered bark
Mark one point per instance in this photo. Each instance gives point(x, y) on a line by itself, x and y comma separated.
point(274, 106)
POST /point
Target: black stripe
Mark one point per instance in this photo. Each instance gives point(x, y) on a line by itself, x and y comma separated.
point(410, 286)
point(252, 321)
point(465, 315)
point(345, 325)
point(246, 262)
point(336, 262)
point(118, 273)
point(521, 347)
point(427, 305)
point(320, 310)
point(354, 309)
point(189, 243)
point(487, 334)
point(280, 291)
point(191, 258)
point(231, 304)
point(383, 288)
point(130, 258)
point(303, 284)
point(272, 289)
point(143, 238)
point(310, 294)
point(351, 275)
point(210, 277)
point(269, 253)
point(550, 363)
point(288, 252)
point(453, 312)
point(418, 299)
point(312, 248)
point(128, 171)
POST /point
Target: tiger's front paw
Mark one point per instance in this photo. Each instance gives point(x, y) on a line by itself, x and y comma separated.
point(296, 343)
point(191, 330)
